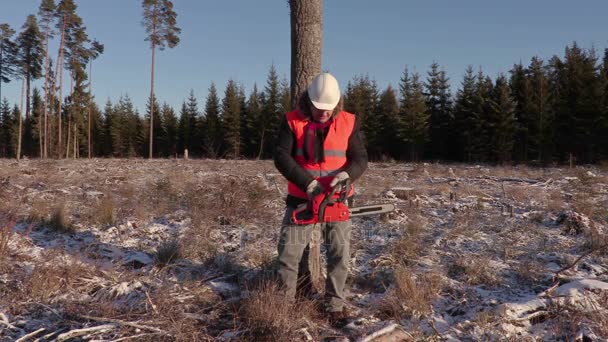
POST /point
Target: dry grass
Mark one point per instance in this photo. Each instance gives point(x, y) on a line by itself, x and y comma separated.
point(475, 270)
point(53, 275)
point(105, 212)
point(529, 271)
point(267, 314)
point(59, 220)
point(6, 233)
point(410, 296)
point(408, 247)
point(174, 309)
point(198, 244)
point(168, 252)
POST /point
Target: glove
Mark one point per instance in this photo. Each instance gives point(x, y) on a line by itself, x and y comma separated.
point(314, 188)
point(339, 178)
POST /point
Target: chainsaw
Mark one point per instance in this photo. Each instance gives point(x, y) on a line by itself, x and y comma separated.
point(331, 207)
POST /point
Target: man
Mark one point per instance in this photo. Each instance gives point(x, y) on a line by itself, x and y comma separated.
point(319, 146)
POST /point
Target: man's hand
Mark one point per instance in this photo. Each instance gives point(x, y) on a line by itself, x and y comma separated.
point(314, 188)
point(339, 178)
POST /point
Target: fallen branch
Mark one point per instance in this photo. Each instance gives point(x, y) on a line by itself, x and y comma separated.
point(30, 335)
point(386, 330)
point(126, 338)
point(85, 331)
point(125, 323)
point(8, 325)
point(567, 267)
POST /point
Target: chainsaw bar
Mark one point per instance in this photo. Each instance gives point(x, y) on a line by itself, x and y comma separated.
point(371, 209)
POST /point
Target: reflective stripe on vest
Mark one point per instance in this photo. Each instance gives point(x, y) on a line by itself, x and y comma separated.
point(334, 148)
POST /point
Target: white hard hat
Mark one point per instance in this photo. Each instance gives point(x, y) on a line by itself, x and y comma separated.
point(324, 91)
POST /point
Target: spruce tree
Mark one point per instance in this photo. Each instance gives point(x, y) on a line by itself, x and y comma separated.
point(414, 114)
point(604, 114)
point(193, 138)
point(231, 120)
point(541, 122)
point(520, 90)
point(108, 117)
point(503, 121)
point(271, 113)
point(438, 101)
point(169, 128)
point(252, 124)
point(211, 125)
point(153, 109)
point(7, 130)
point(388, 110)
point(361, 99)
point(183, 131)
point(31, 139)
point(465, 121)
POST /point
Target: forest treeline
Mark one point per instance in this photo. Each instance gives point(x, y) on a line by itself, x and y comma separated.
point(541, 112)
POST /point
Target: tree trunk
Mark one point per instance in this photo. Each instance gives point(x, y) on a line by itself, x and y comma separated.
point(90, 100)
point(43, 154)
point(59, 71)
point(152, 100)
point(20, 121)
point(27, 95)
point(306, 48)
point(306, 44)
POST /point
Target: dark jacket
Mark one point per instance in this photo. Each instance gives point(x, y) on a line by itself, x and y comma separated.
point(285, 149)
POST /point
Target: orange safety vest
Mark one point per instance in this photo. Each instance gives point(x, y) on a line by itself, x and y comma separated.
point(334, 148)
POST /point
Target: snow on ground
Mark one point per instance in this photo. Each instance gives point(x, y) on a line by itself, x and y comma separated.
point(516, 253)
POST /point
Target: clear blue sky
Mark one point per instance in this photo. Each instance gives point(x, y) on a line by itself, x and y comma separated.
point(241, 39)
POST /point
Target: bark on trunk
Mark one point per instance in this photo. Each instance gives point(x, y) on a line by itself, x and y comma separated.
point(306, 49)
point(152, 100)
point(20, 132)
point(306, 44)
point(59, 71)
point(90, 100)
point(44, 129)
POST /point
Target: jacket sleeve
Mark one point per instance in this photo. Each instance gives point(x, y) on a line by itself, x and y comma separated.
point(284, 161)
point(356, 154)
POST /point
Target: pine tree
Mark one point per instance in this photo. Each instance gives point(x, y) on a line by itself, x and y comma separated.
point(66, 16)
point(30, 55)
point(46, 16)
point(160, 22)
point(8, 55)
point(211, 126)
point(520, 90)
point(77, 55)
point(231, 120)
